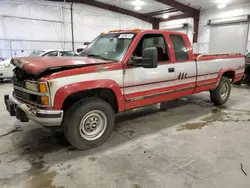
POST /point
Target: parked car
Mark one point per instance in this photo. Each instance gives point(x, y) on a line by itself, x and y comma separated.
point(52, 52)
point(6, 69)
point(119, 71)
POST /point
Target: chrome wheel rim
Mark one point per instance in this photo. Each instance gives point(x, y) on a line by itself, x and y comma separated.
point(93, 125)
point(224, 91)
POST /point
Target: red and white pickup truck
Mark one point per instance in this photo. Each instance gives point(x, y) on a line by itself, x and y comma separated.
point(118, 71)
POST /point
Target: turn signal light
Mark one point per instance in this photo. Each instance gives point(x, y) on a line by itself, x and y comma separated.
point(45, 100)
point(43, 88)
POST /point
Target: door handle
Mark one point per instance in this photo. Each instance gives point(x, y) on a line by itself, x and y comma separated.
point(170, 69)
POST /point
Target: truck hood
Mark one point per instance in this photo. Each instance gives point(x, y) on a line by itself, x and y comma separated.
point(38, 65)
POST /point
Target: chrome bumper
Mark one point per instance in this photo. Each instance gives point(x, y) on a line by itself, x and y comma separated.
point(25, 112)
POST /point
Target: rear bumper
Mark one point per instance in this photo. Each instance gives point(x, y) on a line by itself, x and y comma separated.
point(24, 112)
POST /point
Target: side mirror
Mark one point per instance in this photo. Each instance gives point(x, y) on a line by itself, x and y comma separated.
point(86, 43)
point(149, 58)
point(79, 50)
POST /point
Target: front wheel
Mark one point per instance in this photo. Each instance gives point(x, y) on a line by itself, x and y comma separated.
point(220, 95)
point(88, 123)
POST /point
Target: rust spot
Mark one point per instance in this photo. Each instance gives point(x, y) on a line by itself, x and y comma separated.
point(100, 68)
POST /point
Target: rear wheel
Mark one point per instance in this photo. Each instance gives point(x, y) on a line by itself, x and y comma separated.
point(88, 123)
point(220, 95)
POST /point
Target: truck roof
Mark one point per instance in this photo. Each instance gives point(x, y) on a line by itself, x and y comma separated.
point(143, 31)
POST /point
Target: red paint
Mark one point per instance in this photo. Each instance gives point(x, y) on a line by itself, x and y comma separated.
point(217, 56)
point(37, 65)
point(238, 77)
point(67, 90)
point(161, 98)
point(207, 81)
point(169, 96)
point(207, 87)
point(84, 70)
point(160, 90)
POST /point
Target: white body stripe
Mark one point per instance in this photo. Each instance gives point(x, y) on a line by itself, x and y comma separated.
point(141, 79)
point(212, 66)
point(137, 76)
point(140, 75)
point(135, 89)
point(115, 75)
point(240, 71)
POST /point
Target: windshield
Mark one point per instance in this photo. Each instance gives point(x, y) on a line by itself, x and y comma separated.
point(36, 53)
point(110, 46)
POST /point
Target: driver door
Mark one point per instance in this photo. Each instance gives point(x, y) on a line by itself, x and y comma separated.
point(144, 86)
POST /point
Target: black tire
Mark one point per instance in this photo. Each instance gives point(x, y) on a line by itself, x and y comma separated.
point(74, 116)
point(215, 94)
point(1, 79)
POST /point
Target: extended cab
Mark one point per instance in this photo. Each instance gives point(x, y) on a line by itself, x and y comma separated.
point(118, 71)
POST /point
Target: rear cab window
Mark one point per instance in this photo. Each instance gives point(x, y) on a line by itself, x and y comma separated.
point(180, 48)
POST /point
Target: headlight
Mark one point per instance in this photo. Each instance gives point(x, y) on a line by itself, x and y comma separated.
point(37, 87)
point(32, 86)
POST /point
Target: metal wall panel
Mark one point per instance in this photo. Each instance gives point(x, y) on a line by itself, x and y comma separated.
point(31, 25)
point(205, 33)
point(229, 38)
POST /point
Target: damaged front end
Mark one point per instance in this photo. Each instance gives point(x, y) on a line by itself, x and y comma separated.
point(30, 100)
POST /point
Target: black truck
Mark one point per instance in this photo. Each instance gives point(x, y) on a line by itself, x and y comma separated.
point(246, 77)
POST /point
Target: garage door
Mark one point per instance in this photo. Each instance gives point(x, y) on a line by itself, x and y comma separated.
point(229, 38)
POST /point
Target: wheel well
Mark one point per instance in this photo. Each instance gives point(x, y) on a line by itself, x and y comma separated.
point(229, 74)
point(106, 94)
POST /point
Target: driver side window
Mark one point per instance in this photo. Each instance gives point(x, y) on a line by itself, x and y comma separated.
point(153, 40)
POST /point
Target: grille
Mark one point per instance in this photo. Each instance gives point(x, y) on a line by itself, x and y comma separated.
point(19, 80)
point(27, 96)
point(21, 94)
point(19, 83)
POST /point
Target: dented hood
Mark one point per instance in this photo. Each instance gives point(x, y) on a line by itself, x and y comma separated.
point(38, 65)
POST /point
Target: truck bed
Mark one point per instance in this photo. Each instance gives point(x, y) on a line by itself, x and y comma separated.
point(201, 57)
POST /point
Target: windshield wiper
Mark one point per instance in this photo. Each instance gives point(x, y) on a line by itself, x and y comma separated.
point(99, 57)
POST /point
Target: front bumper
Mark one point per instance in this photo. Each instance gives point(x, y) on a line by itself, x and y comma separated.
point(25, 112)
